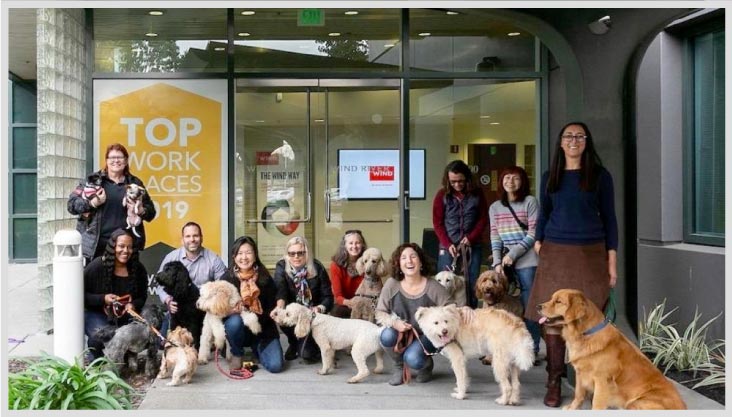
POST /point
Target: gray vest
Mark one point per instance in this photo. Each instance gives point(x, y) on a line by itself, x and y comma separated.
point(460, 216)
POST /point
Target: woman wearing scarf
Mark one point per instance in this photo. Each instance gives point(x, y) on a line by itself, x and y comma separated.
point(302, 279)
point(258, 291)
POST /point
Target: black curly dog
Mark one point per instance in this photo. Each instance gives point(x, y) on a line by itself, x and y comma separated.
point(122, 345)
point(176, 282)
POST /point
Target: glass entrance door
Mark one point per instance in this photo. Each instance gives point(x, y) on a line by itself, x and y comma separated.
point(317, 158)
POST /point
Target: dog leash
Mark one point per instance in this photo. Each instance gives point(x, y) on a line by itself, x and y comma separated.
point(404, 339)
point(154, 330)
point(117, 308)
point(237, 374)
point(464, 252)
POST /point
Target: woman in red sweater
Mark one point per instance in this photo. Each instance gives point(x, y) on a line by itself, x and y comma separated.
point(344, 278)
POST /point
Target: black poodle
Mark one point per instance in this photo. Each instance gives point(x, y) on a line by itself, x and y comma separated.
point(176, 282)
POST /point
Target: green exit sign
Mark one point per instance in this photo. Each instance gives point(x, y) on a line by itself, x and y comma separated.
point(310, 17)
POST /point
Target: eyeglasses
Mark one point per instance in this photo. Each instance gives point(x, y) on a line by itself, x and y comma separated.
point(116, 158)
point(577, 138)
point(296, 254)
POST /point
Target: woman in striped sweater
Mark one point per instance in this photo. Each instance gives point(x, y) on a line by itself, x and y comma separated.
point(518, 239)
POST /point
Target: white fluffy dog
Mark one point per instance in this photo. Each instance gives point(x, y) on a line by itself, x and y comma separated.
point(333, 333)
point(455, 286)
point(373, 267)
point(217, 299)
point(490, 331)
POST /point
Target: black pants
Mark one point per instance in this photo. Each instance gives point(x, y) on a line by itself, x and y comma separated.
point(310, 350)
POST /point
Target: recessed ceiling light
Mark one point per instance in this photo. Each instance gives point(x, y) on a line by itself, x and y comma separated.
point(259, 121)
point(495, 123)
point(155, 12)
point(151, 34)
point(334, 34)
point(248, 13)
point(451, 13)
point(351, 12)
point(319, 120)
point(244, 34)
point(389, 45)
point(425, 34)
point(485, 117)
point(219, 48)
point(514, 33)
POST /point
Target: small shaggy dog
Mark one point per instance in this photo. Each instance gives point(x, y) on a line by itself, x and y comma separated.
point(176, 281)
point(490, 331)
point(133, 202)
point(455, 286)
point(372, 266)
point(217, 299)
point(606, 362)
point(333, 333)
point(492, 287)
point(122, 345)
point(179, 357)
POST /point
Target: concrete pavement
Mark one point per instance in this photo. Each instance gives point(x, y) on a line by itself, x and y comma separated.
point(298, 387)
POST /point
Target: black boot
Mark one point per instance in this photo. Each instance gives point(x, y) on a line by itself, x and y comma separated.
point(555, 367)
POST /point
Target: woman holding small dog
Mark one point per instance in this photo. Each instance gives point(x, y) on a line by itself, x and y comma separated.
point(250, 276)
point(302, 279)
point(114, 284)
point(458, 216)
point(409, 289)
point(576, 237)
point(344, 277)
point(101, 211)
point(513, 230)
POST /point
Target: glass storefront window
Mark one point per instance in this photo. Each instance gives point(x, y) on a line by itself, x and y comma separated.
point(142, 40)
point(467, 41)
point(25, 233)
point(274, 40)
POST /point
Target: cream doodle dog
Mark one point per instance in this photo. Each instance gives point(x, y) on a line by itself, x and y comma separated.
point(333, 333)
point(490, 331)
point(455, 286)
point(179, 357)
point(217, 299)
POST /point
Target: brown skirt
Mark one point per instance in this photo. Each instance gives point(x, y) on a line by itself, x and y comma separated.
point(580, 267)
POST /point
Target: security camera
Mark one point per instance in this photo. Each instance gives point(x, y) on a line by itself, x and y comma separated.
point(600, 26)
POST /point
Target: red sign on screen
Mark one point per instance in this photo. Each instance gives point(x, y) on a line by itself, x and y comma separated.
point(381, 173)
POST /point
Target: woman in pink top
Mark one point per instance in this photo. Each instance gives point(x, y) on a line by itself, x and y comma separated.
point(344, 278)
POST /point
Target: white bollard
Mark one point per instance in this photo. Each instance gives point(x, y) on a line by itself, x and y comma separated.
point(68, 295)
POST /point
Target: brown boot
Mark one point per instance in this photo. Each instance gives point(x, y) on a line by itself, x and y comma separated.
point(555, 368)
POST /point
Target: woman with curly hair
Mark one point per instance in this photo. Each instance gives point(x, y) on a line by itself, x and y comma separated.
point(114, 284)
point(344, 277)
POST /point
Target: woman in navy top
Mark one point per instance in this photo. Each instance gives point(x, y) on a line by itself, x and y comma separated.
point(576, 237)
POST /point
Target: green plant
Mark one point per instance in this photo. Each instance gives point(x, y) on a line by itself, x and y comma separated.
point(687, 351)
point(52, 383)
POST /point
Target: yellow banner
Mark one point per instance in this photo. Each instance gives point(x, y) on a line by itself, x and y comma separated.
point(175, 138)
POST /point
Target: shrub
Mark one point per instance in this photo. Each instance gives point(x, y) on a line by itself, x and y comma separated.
point(54, 384)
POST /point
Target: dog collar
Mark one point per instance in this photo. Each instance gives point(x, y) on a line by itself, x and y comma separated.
point(596, 328)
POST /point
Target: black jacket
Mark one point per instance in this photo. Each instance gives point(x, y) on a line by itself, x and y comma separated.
point(322, 294)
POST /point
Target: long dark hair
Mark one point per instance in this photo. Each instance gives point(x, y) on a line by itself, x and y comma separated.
point(262, 272)
point(458, 167)
point(427, 267)
point(133, 264)
point(590, 164)
point(341, 256)
point(522, 192)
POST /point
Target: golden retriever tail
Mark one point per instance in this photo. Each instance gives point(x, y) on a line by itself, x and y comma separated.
point(523, 355)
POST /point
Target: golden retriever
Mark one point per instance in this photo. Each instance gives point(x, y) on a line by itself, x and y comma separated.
point(606, 362)
point(455, 286)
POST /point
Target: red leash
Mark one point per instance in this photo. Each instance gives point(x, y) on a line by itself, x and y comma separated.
point(242, 373)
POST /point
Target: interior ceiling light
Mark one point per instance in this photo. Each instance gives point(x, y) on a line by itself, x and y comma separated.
point(248, 13)
point(451, 13)
point(514, 33)
point(244, 34)
point(155, 12)
point(485, 117)
point(334, 34)
point(319, 120)
point(389, 45)
point(351, 12)
point(495, 123)
point(219, 48)
point(425, 34)
point(151, 34)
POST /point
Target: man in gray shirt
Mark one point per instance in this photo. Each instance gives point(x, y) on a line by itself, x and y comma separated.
point(203, 265)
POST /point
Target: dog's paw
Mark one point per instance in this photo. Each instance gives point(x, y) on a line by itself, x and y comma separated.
point(458, 395)
point(172, 383)
point(202, 361)
point(502, 400)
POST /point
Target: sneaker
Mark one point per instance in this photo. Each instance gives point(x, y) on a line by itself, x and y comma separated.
point(291, 353)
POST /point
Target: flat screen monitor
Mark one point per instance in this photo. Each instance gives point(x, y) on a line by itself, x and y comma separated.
point(373, 174)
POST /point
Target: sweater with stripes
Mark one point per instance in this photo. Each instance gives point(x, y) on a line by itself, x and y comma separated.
point(505, 232)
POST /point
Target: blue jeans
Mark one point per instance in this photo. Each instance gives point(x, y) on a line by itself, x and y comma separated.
point(525, 278)
point(444, 259)
point(413, 355)
point(239, 337)
point(93, 321)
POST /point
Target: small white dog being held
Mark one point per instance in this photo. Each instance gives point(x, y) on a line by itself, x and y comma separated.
point(333, 333)
point(217, 299)
point(490, 331)
point(455, 286)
